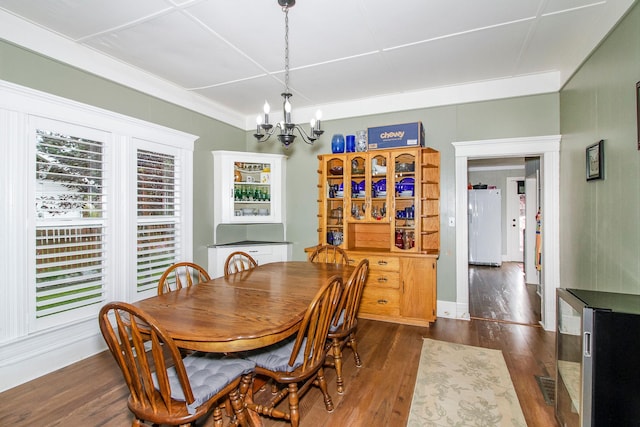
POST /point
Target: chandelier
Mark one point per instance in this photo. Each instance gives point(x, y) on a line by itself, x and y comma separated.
point(264, 129)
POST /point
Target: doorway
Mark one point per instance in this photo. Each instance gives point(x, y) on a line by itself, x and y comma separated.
point(498, 291)
point(548, 149)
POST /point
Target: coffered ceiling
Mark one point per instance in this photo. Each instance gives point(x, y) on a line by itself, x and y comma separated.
point(350, 57)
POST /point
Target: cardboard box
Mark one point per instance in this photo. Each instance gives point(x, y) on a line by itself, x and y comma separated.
point(393, 136)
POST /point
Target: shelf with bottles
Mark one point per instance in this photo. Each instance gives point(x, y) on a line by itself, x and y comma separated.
point(368, 198)
point(404, 239)
point(332, 200)
point(248, 188)
point(381, 192)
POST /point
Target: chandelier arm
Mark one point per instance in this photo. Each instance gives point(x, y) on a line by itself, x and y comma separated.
point(268, 132)
point(305, 137)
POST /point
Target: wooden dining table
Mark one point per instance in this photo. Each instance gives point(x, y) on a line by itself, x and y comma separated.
point(245, 311)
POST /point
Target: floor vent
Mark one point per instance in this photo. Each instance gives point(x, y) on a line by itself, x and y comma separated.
point(548, 389)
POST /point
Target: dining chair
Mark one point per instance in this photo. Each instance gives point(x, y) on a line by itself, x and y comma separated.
point(165, 388)
point(299, 359)
point(238, 261)
point(181, 274)
point(329, 254)
point(342, 331)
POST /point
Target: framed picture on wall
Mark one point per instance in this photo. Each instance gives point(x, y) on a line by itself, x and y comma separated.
point(595, 161)
point(638, 111)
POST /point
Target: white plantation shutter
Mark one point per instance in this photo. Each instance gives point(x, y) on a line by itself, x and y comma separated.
point(70, 223)
point(159, 228)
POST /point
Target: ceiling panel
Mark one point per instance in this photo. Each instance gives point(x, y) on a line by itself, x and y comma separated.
point(79, 18)
point(190, 58)
point(445, 62)
point(554, 43)
point(417, 20)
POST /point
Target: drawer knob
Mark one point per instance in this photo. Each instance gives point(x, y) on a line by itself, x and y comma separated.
point(382, 279)
point(382, 262)
point(382, 301)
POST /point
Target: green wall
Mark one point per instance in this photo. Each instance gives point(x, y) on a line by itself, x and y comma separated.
point(514, 117)
point(600, 220)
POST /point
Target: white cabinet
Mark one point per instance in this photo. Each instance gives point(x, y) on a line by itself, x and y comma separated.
point(263, 253)
point(248, 187)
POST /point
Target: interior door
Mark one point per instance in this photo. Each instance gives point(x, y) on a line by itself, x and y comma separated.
point(513, 229)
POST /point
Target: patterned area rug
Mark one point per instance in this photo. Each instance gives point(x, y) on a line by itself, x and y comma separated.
point(460, 385)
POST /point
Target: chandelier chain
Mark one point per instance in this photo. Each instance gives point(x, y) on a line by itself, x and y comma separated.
point(286, 49)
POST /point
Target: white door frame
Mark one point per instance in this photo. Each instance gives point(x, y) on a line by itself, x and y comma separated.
point(548, 148)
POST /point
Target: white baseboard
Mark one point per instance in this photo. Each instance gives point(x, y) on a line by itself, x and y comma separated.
point(453, 310)
point(32, 357)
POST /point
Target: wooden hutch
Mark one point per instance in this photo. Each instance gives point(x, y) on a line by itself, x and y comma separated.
point(384, 205)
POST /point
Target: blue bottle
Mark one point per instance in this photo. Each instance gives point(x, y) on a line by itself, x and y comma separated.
point(337, 143)
point(351, 143)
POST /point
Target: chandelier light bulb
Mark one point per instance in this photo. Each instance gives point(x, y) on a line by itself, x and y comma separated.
point(287, 111)
point(258, 124)
point(312, 123)
point(266, 109)
point(318, 115)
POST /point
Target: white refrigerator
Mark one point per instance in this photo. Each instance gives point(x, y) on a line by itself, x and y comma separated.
point(485, 227)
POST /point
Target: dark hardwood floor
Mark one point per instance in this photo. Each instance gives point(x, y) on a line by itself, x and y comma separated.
point(501, 294)
point(92, 392)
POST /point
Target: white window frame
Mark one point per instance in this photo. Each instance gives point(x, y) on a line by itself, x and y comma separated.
point(36, 123)
point(29, 348)
point(185, 253)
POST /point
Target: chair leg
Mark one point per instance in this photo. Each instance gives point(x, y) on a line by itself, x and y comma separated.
point(321, 382)
point(337, 361)
point(354, 348)
point(217, 417)
point(294, 412)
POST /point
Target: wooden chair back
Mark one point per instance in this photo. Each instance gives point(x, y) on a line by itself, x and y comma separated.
point(329, 254)
point(140, 365)
point(345, 321)
point(315, 325)
point(350, 300)
point(237, 262)
point(181, 274)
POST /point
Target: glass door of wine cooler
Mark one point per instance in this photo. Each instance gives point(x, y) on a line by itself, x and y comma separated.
point(568, 360)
